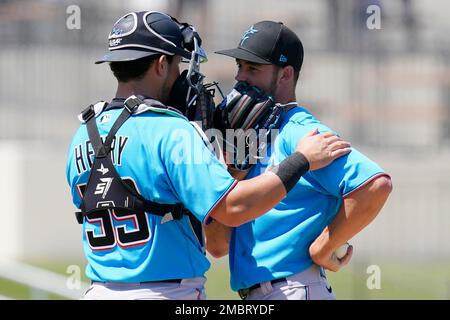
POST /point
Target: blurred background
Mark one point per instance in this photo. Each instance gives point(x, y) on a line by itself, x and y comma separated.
point(383, 84)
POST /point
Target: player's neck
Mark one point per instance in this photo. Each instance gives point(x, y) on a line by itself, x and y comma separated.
point(126, 89)
point(289, 100)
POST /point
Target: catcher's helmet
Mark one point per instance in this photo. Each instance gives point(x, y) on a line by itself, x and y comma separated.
point(140, 34)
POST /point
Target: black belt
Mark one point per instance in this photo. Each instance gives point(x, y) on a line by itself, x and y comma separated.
point(142, 282)
point(243, 293)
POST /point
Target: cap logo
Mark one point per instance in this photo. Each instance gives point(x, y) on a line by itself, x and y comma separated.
point(247, 34)
point(125, 26)
point(116, 31)
point(283, 58)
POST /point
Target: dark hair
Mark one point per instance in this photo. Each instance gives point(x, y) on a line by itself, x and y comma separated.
point(125, 71)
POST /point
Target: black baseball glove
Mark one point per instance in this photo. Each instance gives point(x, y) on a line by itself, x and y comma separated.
point(251, 114)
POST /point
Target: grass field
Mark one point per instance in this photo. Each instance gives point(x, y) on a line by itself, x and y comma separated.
point(415, 281)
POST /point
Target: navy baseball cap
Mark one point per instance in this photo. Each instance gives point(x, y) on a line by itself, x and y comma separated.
point(140, 34)
point(269, 42)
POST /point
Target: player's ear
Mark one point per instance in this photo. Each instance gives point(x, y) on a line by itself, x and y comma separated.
point(161, 65)
point(287, 74)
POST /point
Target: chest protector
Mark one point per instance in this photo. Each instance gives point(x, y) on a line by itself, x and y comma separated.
point(105, 189)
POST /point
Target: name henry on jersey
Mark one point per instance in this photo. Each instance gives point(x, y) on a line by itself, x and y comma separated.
point(84, 153)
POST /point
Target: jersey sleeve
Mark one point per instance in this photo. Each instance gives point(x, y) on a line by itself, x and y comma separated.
point(71, 172)
point(345, 174)
point(196, 176)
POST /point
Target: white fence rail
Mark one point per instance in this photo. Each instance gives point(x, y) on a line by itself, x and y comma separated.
point(40, 281)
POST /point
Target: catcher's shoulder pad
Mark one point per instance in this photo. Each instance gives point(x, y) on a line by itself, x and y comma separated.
point(93, 110)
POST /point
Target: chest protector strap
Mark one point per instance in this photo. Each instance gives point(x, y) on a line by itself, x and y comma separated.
point(105, 188)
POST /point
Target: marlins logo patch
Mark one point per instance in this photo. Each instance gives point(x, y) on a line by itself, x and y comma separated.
point(105, 118)
point(247, 34)
point(125, 26)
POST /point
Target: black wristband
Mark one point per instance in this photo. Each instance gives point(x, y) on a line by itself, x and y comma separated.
point(291, 169)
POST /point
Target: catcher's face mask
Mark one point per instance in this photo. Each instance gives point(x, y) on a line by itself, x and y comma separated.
point(189, 94)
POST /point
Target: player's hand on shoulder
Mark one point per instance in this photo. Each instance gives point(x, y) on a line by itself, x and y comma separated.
point(321, 149)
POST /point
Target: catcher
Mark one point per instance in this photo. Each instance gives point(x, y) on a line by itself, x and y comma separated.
point(283, 254)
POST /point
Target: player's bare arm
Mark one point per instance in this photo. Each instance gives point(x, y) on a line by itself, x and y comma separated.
point(217, 239)
point(356, 212)
point(251, 198)
point(217, 234)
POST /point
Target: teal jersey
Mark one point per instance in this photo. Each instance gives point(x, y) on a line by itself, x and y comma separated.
point(276, 244)
point(167, 161)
